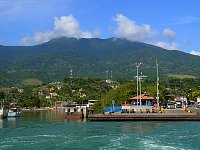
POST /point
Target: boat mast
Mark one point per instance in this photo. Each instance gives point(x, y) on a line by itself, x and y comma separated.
point(157, 84)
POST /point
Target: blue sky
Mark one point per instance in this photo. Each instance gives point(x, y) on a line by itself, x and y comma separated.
point(172, 24)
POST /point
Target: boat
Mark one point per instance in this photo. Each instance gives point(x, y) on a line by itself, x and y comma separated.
point(73, 113)
point(1, 113)
point(13, 112)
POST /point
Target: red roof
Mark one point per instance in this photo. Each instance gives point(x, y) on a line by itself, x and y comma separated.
point(143, 97)
point(126, 104)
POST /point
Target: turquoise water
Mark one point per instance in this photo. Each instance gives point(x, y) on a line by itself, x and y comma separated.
point(48, 130)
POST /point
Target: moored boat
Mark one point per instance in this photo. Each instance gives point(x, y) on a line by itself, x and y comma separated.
point(73, 113)
point(13, 112)
point(1, 110)
point(1, 113)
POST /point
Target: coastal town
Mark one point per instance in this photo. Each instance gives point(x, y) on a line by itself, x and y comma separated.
point(99, 75)
point(139, 107)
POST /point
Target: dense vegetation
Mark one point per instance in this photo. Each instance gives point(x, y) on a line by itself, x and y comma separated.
point(81, 90)
point(53, 60)
point(168, 91)
point(31, 71)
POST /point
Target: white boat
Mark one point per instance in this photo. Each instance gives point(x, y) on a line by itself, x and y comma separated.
point(13, 112)
point(1, 113)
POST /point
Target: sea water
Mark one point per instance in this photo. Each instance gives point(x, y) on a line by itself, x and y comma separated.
point(41, 130)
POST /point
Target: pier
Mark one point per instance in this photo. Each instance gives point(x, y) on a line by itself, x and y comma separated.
point(169, 115)
point(144, 117)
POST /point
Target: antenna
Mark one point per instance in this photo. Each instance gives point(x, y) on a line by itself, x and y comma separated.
point(157, 84)
point(140, 78)
point(137, 65)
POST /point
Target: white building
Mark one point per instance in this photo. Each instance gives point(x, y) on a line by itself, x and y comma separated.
point(91, 103)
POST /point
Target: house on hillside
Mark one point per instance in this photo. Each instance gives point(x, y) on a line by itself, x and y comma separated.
point(53, 95)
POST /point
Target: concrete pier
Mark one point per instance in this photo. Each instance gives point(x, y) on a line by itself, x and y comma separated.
point(169, 115)
point(144, 117)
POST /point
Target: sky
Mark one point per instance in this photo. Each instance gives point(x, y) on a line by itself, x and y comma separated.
point(171, 24)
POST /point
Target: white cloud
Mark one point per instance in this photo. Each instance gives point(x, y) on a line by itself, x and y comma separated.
point(169, 46)
point(130, 30)
point(195, 53)
point(65, 26)
point(38, 37)
point(170, 34)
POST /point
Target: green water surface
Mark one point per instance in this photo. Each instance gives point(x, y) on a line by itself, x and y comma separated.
point(39, 130)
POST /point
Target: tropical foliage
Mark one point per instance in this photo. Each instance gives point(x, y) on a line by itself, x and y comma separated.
point(81, 90)
point(53, 60)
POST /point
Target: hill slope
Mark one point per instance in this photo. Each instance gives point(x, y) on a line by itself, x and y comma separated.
point(52, 61)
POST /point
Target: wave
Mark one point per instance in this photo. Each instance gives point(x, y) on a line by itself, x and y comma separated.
point(149, 144)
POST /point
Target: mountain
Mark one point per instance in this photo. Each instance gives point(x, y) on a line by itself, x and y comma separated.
point(53, 60)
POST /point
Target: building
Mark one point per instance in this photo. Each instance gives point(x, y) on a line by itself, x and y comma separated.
point(146, 104)
point(91, 103)
point(145, 100)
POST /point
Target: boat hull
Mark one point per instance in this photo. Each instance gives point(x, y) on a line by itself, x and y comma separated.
point(74, 115)
point(1, 113)
point(13, 114)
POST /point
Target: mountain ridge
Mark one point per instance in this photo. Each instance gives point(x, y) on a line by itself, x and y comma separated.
point(53, 60)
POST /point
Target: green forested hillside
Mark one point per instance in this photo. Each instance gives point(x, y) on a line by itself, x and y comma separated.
point(53, 60)
point(81, 90)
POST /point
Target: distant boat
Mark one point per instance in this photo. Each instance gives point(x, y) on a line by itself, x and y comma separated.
point(13, 112)
point(1, 113)
point(73, 111)
point(73, 115)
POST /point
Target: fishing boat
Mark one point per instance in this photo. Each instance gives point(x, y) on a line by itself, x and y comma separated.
point(14, 112)
point(72, 112)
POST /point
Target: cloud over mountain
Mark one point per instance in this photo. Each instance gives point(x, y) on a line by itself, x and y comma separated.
point(65, 26)
point(129, 29)
point(169, 46)
point(193, 52)
point(68, 26)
